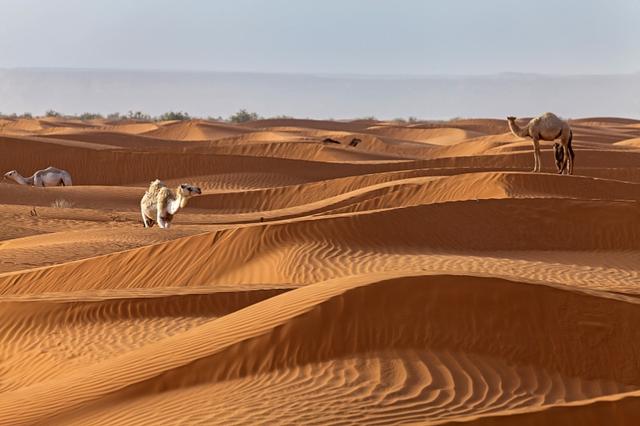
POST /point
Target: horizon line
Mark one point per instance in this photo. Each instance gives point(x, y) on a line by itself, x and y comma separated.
point(312, 74)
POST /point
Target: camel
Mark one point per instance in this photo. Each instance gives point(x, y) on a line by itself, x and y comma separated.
point(547, 127)
point(329, 140)
point(50, 176)
point(559, 156)
point(160, 204)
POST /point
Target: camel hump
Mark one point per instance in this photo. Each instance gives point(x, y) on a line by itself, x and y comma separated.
point(156, 185)
point(154, 188)
point(164, 191)
point(549, 116)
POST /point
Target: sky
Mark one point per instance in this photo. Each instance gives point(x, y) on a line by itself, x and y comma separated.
point(360, 37)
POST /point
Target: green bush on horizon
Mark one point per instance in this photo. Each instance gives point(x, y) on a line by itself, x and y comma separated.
point(171, 115)
point(244, 116)
point(90, 116)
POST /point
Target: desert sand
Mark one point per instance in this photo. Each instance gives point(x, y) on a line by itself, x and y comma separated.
point(425, 276)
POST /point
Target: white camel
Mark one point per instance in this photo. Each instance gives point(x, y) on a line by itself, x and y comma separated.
point(50, 176)
point(547, 127)
point(160, 204)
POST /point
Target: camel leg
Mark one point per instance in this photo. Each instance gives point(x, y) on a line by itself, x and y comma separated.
point(562, 164)
point(567, 161)
point(162, 223)
point(536, 155)
point(144, 219)
point(571, 157)
point(568, 152)
point(159, 215)
point(558, 157)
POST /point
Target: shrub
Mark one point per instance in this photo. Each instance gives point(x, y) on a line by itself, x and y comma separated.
point(244, 116)
point(89, 116)
point(61, 203)
point(138, 115)
point(174, 116)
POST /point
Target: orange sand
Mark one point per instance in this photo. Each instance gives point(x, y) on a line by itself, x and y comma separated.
point(424, 276)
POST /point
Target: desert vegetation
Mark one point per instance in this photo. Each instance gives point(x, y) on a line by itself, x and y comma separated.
point(244, 116)
point(171, 115)
point(61, 203)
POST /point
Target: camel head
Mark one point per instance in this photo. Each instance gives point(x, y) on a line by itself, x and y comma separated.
point(13, 175)
point(188, 191)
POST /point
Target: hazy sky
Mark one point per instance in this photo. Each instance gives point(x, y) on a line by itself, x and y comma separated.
point(325, 36)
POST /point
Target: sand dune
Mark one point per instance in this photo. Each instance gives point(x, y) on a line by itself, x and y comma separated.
point(442, 136)
point(336, 347)
point(632, 143)
point(424, 276)
point(117, 139)
point(195, 131)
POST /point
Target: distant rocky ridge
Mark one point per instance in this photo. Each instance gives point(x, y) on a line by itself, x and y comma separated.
point(75, 91)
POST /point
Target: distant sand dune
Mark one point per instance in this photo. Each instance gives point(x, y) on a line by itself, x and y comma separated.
point(195, 131)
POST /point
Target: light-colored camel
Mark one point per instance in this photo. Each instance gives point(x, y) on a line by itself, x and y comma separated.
point(547, 127)
point(50, 176)
point(160, 204)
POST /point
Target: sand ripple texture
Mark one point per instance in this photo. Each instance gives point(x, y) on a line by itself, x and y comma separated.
point(423, 276)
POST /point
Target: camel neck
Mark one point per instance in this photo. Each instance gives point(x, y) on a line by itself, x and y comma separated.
point(183, 201)
point(176, 204)
point(517, 130)
point(22, 180)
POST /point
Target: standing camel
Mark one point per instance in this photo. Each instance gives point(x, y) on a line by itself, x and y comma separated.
point(50, 176)
point(547, 127)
